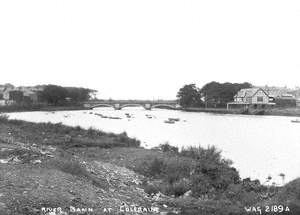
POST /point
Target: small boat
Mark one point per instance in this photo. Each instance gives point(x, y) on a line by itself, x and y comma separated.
point(169, 121)
point(114, 117)
point(174, 119)
point(148, 116)
point(296, 121)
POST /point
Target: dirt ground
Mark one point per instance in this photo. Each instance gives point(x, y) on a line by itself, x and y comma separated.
point(35, 178)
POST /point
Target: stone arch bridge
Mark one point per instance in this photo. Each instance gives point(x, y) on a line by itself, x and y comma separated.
point(119, 104)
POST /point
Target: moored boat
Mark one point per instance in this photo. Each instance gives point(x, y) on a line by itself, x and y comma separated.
point(174, 119)
point(169, 121)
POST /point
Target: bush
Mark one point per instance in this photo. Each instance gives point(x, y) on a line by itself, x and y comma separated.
point(180, 187)
point(166, 147)
point(204, 170)
point(3, 118)
point(153, 168)
point(176, 169)
point(151, 189)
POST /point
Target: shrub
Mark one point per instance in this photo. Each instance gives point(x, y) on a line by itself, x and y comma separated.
point(212, 173)
point(176, 168)
point(179, 187)
point(3, 118)
point(155, 167)
point(166, 147)
point(151, 189)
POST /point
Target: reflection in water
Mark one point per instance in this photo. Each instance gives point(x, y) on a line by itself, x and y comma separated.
point(259, 145)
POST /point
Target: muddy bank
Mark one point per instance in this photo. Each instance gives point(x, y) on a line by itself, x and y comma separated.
point(46, 166)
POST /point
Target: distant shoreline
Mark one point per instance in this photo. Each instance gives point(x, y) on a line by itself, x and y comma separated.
point(293, 112)
point(10, 109)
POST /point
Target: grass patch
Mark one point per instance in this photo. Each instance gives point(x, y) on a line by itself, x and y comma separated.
point(68, 164)
point(62, 135)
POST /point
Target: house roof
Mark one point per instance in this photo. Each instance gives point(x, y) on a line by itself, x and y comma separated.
point(248, 92)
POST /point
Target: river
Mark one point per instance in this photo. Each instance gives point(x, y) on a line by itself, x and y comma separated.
point(259, 146)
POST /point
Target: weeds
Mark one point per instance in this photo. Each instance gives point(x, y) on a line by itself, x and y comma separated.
point(67, 136)
point(72, 166)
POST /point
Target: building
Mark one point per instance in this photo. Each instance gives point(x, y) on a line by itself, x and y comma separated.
point(5, 94)
point(18, 95)
point(250, 98)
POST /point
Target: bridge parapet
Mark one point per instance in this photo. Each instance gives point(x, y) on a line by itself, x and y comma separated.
point(117, 105)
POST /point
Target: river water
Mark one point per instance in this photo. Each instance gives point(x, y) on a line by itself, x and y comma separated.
point(259, 146)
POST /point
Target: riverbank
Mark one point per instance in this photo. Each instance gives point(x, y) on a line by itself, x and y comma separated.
point(31, 108)
point(269, 111)
point(53, 165)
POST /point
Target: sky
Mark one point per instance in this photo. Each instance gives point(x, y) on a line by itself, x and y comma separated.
point(148, 49)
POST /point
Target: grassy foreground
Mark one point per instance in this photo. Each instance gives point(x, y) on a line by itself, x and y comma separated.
point(52, 166)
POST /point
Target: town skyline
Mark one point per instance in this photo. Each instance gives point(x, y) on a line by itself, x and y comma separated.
point(269, 88)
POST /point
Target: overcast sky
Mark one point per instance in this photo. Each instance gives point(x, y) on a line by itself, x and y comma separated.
point(149, 49)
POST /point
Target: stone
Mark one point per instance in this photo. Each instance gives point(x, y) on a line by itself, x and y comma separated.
point(37, 161)
point(187, 194)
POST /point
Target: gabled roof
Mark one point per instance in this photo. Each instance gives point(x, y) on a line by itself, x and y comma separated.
point(248, 92)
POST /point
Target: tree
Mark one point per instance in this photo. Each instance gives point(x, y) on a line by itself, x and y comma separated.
point(219, 94)
point(58, 95)
point(78, 95)
point(53, 94)
point(189, 96)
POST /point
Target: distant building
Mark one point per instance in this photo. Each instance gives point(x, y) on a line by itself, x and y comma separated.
point(250, 97)
point(10, 95)
point(283, 96)
point(5, 94)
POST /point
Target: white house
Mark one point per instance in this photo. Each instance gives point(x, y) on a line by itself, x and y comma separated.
point(250, 97)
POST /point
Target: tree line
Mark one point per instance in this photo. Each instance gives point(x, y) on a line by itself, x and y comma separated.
point(58, 95)
point(212, 94)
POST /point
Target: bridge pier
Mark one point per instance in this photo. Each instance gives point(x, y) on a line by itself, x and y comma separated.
point(147, 106)
point(117, 106)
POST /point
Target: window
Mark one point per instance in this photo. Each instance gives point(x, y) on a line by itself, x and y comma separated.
point(260, 99)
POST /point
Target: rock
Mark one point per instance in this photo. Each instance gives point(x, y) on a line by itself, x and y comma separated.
point(71, 192)
point(37, 161)
point(4, 160)
point(187, 194)
point(16, 160)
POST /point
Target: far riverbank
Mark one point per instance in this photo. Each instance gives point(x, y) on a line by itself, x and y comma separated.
point(270, 111)
point(30, 108)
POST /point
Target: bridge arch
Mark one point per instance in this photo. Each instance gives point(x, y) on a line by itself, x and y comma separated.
point(164, 105)
point(132, 105)
point(102, 105)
